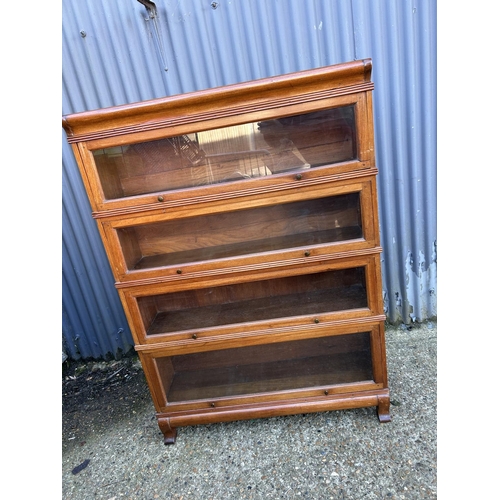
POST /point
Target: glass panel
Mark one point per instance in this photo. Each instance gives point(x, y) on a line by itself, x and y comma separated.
point(227, 154)
point(254, 301)
point(216, 236)
point(299, 364)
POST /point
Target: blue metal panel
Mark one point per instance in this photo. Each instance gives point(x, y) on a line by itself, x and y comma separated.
point(116, 52)
point(400, 37)
point(94, 324)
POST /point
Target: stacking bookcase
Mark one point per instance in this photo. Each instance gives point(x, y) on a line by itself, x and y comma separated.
point(241, 225)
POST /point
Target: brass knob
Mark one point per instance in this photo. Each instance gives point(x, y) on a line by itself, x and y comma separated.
point(160, 198)
point(307, 253)
point(316, 320)
point(212, 405)
point(179, 271)
point(326, 393)
point(298, 177)
point(195, 336)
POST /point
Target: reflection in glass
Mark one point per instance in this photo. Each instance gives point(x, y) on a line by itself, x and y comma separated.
point(284, 366)
point(227, 154)
point(253, 230)
point(309, 294)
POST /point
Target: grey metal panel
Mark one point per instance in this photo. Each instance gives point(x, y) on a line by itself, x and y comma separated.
point(114, 53)
point(94, 324)
point(401, 39)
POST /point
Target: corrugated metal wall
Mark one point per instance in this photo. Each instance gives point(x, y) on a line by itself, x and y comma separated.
point(117, 52)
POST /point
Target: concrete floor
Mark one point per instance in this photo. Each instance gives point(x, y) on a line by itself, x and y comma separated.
point(331, 455)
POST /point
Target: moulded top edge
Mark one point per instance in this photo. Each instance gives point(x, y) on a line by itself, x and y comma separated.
point(288, 85)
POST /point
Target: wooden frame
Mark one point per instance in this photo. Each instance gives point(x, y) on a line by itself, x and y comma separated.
point(246, 290)
point(181, 224)
point(322, 396)
point(241, 225)
point(289, 95)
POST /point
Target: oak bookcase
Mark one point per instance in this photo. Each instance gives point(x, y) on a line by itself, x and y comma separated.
point(241, 225)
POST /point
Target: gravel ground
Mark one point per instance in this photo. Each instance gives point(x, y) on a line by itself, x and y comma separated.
point(112, 447)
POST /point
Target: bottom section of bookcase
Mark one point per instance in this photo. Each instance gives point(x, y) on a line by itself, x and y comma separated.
point(337, 367)
point(379, 398)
